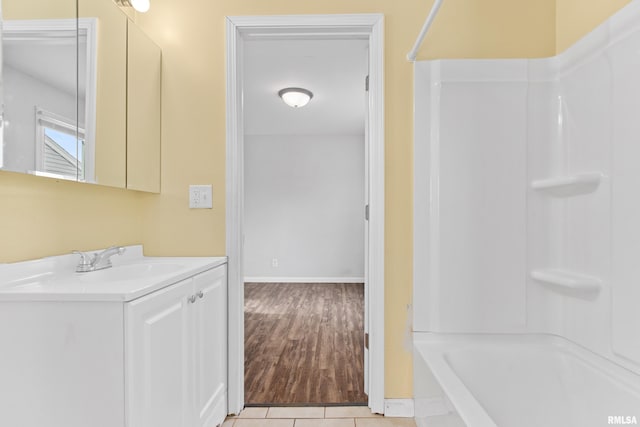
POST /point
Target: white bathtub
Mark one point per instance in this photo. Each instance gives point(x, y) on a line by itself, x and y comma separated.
point(519, 381)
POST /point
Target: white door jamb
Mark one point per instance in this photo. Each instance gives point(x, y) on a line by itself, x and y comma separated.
point(371, 27)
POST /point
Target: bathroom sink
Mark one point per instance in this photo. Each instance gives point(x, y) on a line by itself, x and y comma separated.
point(30, 282)
point(34, 286)
point(132, 276)
point(129, 272)
point(121, 273)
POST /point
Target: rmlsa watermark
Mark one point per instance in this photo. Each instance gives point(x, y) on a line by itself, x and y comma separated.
point(622, 420)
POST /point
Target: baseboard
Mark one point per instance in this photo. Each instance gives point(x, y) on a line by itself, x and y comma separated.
point(433, 406)
point(402, 408)
point(304, 279)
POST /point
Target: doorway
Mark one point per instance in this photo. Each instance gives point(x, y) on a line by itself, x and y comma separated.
point(336, 27)
point(304, 222)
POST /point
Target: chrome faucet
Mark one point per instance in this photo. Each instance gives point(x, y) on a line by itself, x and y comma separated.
point(97, 261)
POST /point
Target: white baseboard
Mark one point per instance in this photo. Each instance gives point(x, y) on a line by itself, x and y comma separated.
point(433, 406)
point(399, 408)
point(304, 279)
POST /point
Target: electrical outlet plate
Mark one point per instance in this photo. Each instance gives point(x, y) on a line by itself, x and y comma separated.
point(200, 197)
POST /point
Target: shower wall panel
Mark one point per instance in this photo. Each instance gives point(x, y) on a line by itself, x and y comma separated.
point(527, 193)
point(625, 179)
point(476, 159)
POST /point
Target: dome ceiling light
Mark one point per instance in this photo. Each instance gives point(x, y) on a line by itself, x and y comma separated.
point(295, 97)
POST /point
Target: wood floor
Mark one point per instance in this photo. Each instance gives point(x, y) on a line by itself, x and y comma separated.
point(304, 344)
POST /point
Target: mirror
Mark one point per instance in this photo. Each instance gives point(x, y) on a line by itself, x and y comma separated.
point(110, 133)
point(143, 112)
point(39, 87)
point(67, 94)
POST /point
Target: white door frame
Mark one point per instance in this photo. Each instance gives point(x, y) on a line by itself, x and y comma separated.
point(370, 26)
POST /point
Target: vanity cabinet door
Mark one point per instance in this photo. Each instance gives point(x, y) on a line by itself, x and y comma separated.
point(176, 354)
point(210, 312)
point(159, 358)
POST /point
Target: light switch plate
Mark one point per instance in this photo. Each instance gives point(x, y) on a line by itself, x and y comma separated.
point(200, 197)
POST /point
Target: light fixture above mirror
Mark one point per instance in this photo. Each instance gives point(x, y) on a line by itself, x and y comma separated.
point(139, 5)
point(295, 97)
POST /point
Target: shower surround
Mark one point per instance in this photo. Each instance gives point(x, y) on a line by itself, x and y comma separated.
point(527, 208)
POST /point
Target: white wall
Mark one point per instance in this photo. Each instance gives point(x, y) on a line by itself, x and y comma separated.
point(22, 93)
point(474, 227)
point(304, 205)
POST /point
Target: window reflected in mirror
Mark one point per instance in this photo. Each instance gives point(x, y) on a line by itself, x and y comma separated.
point(60, 147)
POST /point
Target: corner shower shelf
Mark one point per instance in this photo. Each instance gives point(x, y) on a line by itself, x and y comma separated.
point(567, 186)
point(568, 281)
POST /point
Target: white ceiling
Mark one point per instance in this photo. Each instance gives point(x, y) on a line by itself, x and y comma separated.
point(53, 63)
point(334, 70)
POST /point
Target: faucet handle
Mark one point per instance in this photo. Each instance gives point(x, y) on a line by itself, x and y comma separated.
point(84, 257)
point(114, 250)
point(85, 263)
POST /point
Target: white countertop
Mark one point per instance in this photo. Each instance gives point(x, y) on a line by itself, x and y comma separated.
point(55, 279)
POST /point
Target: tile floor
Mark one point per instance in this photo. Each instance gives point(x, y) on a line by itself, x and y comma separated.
point(330, 416)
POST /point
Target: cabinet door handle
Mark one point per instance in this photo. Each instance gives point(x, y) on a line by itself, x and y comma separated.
point(200, 294)
point(192, 299)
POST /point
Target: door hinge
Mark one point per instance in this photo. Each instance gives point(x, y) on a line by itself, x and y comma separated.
point(366, 212)
point(366, 83)
point(366, 340)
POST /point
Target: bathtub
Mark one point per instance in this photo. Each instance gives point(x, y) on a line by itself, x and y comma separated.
point(519, 381)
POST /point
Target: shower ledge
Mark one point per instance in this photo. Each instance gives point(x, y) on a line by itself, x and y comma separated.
point(568, 282)
point(571, 185)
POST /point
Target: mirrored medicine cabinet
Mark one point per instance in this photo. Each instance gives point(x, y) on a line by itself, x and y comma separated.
point(80, 90)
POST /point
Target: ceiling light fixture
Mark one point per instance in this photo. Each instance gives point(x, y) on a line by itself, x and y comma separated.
point(295, 97)
point(139, 5)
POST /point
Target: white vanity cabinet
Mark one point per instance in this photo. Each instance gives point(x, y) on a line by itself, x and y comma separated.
point(144, 352)
point(176, 354)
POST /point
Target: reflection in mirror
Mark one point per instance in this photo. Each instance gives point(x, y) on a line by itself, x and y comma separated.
point(60, 147)
point(46, 64)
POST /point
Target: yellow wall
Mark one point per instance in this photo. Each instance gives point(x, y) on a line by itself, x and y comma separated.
point(484, 29)
point(38, 9)
point(576, 18)
point(43, 217)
